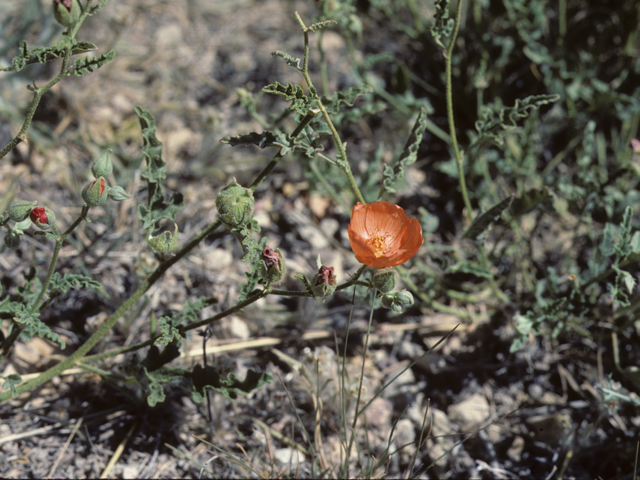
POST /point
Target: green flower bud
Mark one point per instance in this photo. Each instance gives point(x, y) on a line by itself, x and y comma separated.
point(384, 280)
point(95, 193)
point(43, 218)
point(118, 194)
point(164, 242)
point(397, 301)
point(66, 12)
point(235, 204)
point(20, 210)
point(324, 283)
point(273, 267)
point(103, 166)
point(12, 240)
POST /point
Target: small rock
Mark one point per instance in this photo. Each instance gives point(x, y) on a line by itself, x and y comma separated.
point(405, 434)
point(470, 413)
point(239, 328)
point(379, 413)
point(515, 450)
point(289, 457)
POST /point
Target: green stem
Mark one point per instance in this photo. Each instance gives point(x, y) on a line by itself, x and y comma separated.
point(452, 126)
point(364, 359)
point(38, 92)
point(343, 161)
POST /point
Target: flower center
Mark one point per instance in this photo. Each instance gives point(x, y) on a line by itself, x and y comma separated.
point(378, 244)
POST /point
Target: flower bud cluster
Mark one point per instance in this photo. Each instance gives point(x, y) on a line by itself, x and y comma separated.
point(96, 192)
point(24, 213)
point(397, 301)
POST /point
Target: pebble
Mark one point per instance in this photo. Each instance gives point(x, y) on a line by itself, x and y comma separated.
point(289, 457)
point(470, 413)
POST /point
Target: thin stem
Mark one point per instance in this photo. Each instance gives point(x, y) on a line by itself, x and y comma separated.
point(343, 162)
point(364, 359)
point(452, 126)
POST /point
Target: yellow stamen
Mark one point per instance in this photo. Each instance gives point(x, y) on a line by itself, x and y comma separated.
point(378, 244)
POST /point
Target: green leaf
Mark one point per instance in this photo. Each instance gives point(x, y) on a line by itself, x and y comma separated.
point(317, 26)
point(345, 97)
point(97, 7)
point(156, 170)
point(482, 222)
point(156, 359)
point(170, 325)
point(291, 61)
point(292, 93)
point(496, 119)
point(89, 64)
point(32, 326)
point(63, 284)
point(408, 156)
point(472, 268)
point(169, 331)
point(46, 54)
point(230, 387)
point(443, 25)
point(529, 200)
point(267, 139)
point(11, 382)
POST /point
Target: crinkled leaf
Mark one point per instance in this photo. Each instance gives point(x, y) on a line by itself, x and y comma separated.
point(209, 378)
point(157, 207)
point(345, 97)
point(294, 94)
point(317, 26)
point(291, 61)
point(408, 156)
point(89, 64)
point(64, 283)
point(168, 331)
point(443, 24)
point(169, 325)
point(46, 54)
point(496, 119)
point(482, 222)
point(97, 7)
point(32, 326)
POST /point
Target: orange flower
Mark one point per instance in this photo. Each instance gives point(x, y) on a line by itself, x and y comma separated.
point(382, 236)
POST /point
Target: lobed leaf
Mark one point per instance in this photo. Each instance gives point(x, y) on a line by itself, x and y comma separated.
point(157, 207)
point(496, 119)
point(84, 65)
point(209, 378)
point(46, 54)
point(291, 61)
point(320, 25)
point(294, 94)
point(443, 24)
point(391, 175)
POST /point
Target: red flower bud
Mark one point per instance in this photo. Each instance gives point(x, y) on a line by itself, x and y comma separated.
point(324, 283)
point(325, 276)
point(38, 216)
point(273, 267)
